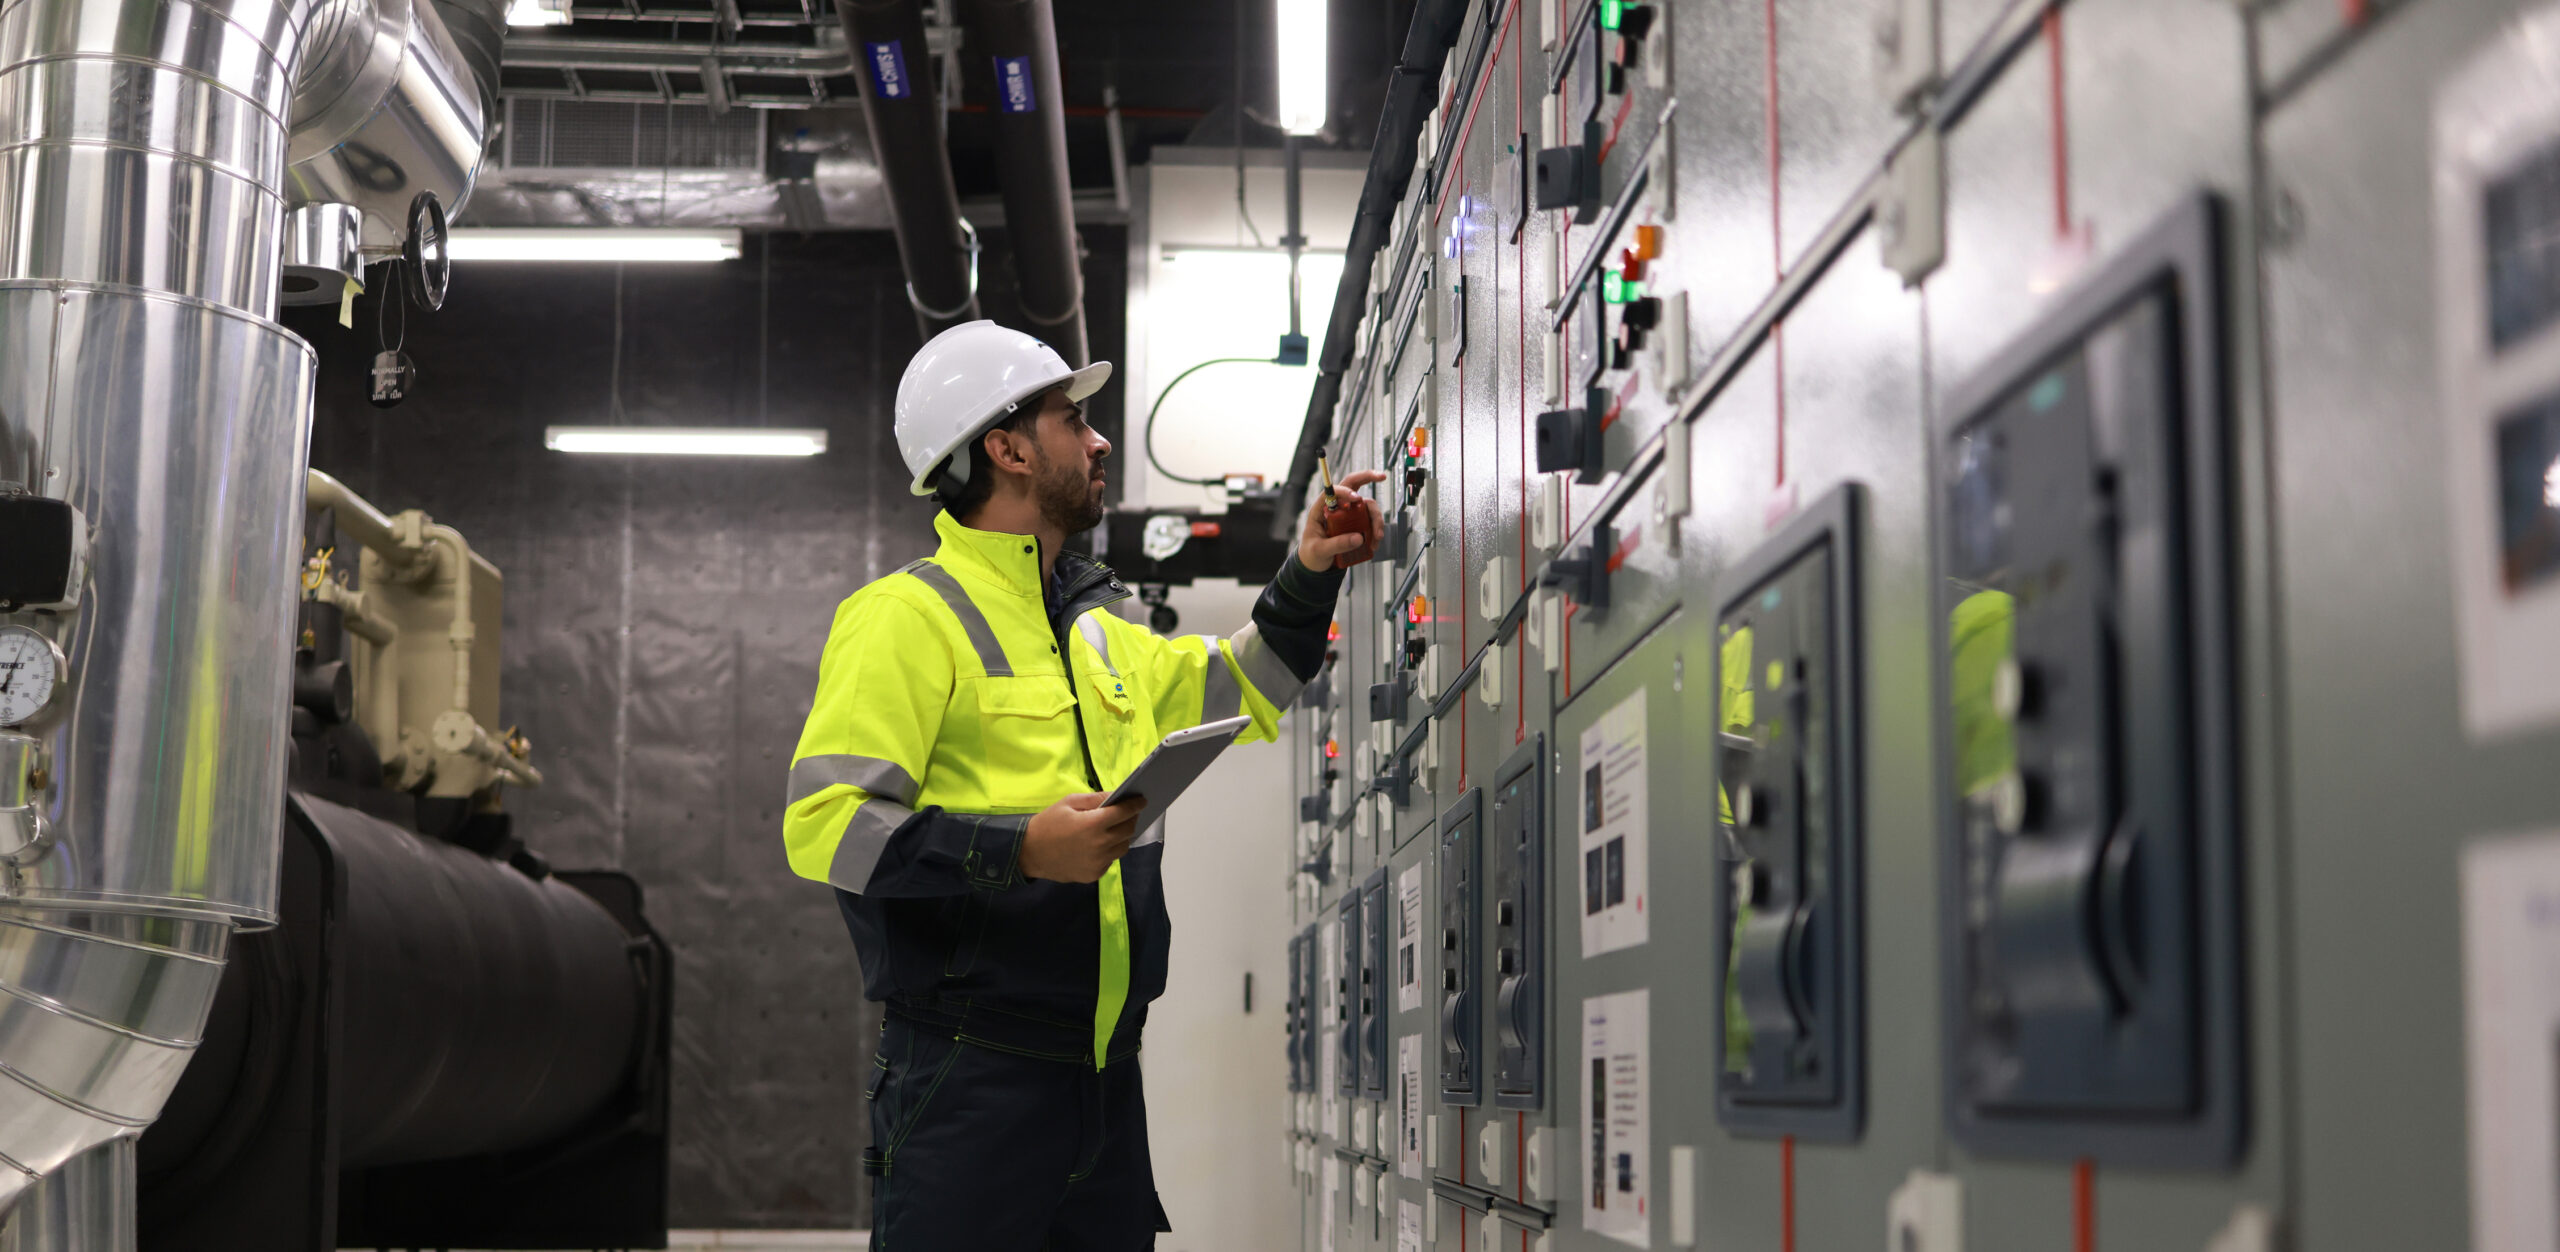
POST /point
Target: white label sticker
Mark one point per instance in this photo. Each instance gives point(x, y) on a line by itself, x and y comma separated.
point(1408, 1226)
point(1409, 939)
point(2497, 122)
point(2511, 1009)
point(1332, 1200)
point(1612, 816)
point(1409, 1106)
point(1617, 1112)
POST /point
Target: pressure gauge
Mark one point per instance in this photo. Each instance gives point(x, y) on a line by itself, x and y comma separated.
point(31, 671)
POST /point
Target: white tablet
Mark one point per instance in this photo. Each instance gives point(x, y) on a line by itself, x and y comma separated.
point(1171, 768)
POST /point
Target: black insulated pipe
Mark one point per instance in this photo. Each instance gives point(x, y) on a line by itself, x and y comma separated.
point(899, 101)
point(1021, 39)
point(1410, 96)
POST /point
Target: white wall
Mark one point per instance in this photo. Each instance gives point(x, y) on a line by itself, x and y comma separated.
point(1217, 1077)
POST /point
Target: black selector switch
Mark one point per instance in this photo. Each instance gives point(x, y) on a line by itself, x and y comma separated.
point(1461, 911)
point(1375, 1060)
point(1519, 934)
point(1569, 439)
point(1346, 1039)
point(1789, 868)
point(2092, 962)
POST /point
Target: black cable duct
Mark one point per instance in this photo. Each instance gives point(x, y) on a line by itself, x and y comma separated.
point(1021, 39)
point(904, 110)
point(1409, 99)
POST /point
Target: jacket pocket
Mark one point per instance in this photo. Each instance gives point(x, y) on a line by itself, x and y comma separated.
point(1030, 740)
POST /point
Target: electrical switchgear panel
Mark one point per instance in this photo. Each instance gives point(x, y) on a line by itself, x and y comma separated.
point(1348, 997)
point(1461, 960)
point(1374, 1005)
point(1310, 986)
point(1790, 860)
point(2092, 966)
point(1296, 1013)
point(1519, 928)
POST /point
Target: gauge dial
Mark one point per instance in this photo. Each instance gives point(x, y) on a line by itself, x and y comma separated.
point(30, 674)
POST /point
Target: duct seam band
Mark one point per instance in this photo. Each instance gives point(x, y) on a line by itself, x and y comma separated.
point(91, 936)
point(92, 57)
point(76, 1106)
point(270, 187)
point(57, 1007)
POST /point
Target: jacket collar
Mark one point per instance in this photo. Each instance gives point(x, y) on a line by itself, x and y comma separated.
point(1012, 563)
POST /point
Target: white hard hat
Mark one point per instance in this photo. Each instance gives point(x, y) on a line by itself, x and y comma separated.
point(967, 379)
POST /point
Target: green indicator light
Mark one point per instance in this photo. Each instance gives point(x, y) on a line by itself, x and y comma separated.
point(1613, 287)
point(1610, 12)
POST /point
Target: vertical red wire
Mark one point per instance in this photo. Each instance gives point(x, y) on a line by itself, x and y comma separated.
point(1787, 1194)
point(2061, 126)
point(2084, 1206)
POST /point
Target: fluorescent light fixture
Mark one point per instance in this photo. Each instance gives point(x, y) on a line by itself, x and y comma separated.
point(1301, 30)
point(538, 12)
point(686, 440)
point(577, 243)
point(2551, 485)
point(1177, 251)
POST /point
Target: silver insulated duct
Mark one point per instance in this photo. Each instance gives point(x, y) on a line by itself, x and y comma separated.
point(149, 153)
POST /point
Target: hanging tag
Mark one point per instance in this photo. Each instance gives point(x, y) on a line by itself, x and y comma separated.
point(393, 374)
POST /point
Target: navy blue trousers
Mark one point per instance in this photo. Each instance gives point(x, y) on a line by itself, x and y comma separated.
point(979, 1150)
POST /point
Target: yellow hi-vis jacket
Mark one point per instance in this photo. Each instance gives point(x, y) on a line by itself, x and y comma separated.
point(954, 700)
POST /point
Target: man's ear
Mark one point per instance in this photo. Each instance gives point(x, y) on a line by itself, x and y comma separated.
point(1004, 453)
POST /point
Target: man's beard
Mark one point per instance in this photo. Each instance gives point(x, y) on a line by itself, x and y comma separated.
point(1068, 499)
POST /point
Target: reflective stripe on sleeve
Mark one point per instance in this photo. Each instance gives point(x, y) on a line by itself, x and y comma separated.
point(1101, 641)
point(886, 779)
point(982, 636)
point(1222, 696)
point(866, 838)
point(1267, 672)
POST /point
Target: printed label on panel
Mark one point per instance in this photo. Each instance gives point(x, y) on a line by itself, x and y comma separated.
point(2511, 997)
point(1409, 939)
point(1612, 817)
point(1408, 1226)
point(2497, 156)
point(1332, 1199)
point(1409, 1106)
point(1617, 1105)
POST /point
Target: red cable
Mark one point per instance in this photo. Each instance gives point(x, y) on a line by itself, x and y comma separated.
point(1625, 103)
point(2061, 126)
point(1787, 1194)
point(1520, 729)
point(2084, 1206)
point(2358, 12)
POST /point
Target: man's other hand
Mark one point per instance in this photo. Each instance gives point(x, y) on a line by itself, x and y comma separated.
point(1347, 533)
point(1077, 839)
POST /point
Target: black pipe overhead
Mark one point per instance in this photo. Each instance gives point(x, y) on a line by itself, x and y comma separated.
point(1021, 38)
point(1410, 92)
point(904, 109)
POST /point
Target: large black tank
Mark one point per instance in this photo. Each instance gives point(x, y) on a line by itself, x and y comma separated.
point(439, 1045)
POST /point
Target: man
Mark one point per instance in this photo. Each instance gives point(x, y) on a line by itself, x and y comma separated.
point(972, 710)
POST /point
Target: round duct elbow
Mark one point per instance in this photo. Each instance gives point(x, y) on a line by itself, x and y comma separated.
point(386, 106)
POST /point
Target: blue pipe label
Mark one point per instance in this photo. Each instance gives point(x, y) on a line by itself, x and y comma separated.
point(889, 70)
point(1013, 84)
